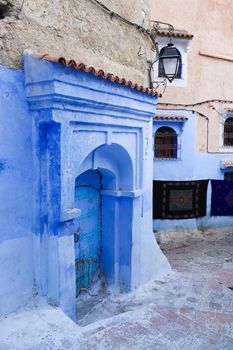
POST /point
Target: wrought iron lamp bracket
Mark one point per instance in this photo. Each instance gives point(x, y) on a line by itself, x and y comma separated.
point(156, 28)
point(156, 84)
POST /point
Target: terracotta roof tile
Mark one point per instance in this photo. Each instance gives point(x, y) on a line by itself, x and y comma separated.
point(176, 34)
point(97, 72)
point(169, 117)
point(228, 164)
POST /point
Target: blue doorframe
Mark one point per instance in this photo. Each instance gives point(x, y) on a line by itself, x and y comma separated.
point(87, 239)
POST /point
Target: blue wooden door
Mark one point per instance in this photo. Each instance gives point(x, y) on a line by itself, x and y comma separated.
point(88, 236)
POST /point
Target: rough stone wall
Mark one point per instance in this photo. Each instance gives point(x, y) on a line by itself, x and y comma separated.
point(78, 29)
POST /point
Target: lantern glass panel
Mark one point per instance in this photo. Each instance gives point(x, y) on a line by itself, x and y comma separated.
point(170, 62)
point(170, 66)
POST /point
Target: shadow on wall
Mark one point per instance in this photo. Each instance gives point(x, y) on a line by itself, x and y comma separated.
point(114, 163)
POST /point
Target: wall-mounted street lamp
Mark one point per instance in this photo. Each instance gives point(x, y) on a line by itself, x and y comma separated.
point(169, 57)
point(169, 61)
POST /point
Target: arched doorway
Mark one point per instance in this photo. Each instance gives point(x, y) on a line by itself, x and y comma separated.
point(103, 239)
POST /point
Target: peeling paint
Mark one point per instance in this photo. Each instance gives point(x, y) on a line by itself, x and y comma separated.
point(3, 163)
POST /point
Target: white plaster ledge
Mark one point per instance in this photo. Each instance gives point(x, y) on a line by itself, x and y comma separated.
point(217, 56)
point(133, 194)
point(70, 214)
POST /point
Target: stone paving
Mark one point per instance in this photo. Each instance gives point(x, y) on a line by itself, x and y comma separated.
point(191, 310)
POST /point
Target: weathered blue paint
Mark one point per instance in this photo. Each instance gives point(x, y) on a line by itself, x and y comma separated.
point(16, 204)
point(191, 166)
point(59, 126)
point(83, 123)
point(3, 164)
point(88, 235)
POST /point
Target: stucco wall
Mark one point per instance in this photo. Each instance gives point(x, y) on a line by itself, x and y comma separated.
point(16, 272)
point(80, 30)
point(183, 168)
point(90, 123)
point(210, 22)
point(193, 165)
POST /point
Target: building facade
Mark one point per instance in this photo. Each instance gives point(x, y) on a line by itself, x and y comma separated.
point(76, 154)
point(193, 123)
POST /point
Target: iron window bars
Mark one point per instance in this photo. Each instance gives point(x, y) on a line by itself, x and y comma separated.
point(228, 132)
point(166, 145)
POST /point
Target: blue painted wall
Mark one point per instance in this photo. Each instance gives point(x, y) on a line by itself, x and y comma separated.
point(56, 124)
point(82, 122)
point(16, 259)
point(191, 166)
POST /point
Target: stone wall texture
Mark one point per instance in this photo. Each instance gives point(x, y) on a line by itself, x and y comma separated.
point(80, 30)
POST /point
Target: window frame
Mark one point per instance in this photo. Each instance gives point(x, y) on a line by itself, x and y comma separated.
point(171, 147)
point(177, 125)
point(182, 44)
point(225, 135)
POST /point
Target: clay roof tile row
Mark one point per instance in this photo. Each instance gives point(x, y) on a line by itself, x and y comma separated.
point(176, 34)
point(169, 117)
point(97, 72)
point(228, 164)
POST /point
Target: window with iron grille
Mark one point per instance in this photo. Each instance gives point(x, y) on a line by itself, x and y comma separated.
point(165, 143)
point(228, 132)
point(228, 176)
point(161, 72)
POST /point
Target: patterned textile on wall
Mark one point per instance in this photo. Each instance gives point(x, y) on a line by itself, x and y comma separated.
point(179, 199)
point(222, 198)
